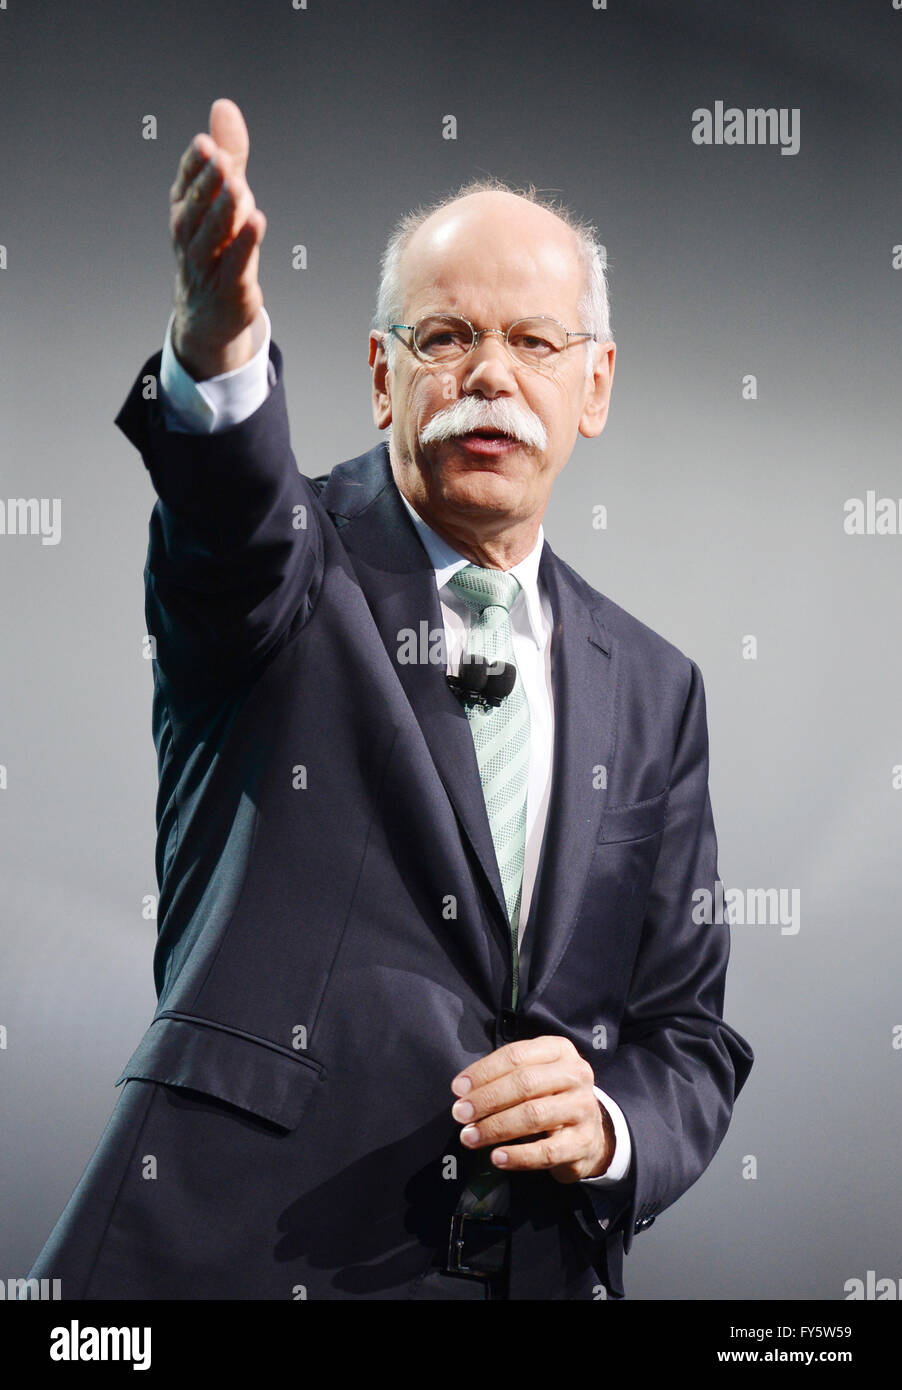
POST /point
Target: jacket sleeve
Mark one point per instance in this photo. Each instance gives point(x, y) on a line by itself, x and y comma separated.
point(235, 553)
point(678, 1066)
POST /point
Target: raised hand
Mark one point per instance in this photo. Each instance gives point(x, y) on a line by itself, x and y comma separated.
point(216, 230)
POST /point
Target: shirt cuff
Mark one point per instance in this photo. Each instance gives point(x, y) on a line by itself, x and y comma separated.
point(202, 407)
point(619, 1166)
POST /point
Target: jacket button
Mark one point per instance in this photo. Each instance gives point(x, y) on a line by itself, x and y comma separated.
point(508, 1025)
point(643, 1224)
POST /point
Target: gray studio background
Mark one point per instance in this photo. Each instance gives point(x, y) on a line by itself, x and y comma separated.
point(725, 516)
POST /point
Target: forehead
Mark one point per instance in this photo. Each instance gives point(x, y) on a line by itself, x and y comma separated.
point(492, 257)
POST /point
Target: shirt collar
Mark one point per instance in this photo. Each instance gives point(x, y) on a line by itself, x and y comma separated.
point(446, 561)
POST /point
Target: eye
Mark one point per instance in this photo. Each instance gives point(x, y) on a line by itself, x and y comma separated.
point(442, 336)
point(530, 342)
point(537, 339)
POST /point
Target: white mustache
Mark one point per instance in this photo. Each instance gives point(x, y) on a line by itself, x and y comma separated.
point(470, 413)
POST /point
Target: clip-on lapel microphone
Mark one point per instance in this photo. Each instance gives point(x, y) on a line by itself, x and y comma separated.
point(481, 682)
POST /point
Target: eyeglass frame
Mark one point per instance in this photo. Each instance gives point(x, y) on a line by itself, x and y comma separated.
point(480, 333)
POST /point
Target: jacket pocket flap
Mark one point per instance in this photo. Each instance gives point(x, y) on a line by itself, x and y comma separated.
point(236, 1067)
point(634, 822)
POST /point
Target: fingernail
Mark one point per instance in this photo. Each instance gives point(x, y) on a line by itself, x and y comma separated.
point(462, 1110)
point(500, 1158)
point(469, 1135)
point(461, 1085)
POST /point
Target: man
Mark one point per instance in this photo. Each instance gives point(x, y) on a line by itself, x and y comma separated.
point(435, 1016)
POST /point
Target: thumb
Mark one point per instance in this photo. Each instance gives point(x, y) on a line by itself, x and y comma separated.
point(229, 132)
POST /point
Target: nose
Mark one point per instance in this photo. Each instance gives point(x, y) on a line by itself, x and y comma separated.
point(489, 368)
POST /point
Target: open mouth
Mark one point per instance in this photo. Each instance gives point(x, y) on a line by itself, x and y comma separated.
point(486, 440)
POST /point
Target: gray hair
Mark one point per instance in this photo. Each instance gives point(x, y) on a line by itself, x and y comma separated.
point(594, 306)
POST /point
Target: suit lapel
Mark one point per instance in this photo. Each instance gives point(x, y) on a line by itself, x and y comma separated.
point(583, 685)
point(398, 581)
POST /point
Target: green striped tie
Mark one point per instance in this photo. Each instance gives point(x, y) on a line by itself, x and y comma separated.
point(500, 733)
point(501, 737)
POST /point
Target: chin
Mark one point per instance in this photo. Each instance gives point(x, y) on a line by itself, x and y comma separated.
point(481, 490)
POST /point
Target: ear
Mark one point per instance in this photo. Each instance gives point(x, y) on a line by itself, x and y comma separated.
point(598, 391)
point(381, 381)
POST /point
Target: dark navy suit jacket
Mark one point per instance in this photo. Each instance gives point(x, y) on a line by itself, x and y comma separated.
point(333, 943)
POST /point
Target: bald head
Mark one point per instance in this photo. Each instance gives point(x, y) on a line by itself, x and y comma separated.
point(487, 213)
point(509, 235)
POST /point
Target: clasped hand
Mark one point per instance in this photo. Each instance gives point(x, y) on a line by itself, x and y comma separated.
point(538, 1087)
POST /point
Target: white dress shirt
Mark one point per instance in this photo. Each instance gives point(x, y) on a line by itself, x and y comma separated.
point(193, 406)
